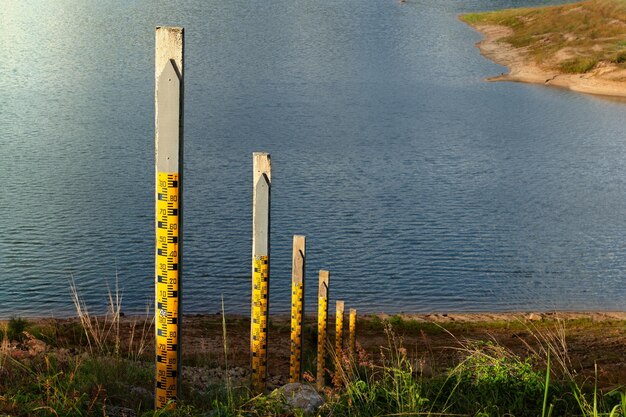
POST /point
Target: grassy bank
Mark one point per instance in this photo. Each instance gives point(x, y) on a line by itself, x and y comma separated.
point(537, 365)
point(571, 38)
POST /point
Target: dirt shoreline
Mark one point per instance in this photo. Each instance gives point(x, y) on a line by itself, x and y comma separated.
point(435, 317)
point(433, 341)
point(596, 316)
point(604, 80)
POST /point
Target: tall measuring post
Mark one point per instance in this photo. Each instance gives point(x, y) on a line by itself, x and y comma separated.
point(297, 306)
point(339, 307)
point(262, 180)
point(169, 215)
point(322, 324)
point(352, 332)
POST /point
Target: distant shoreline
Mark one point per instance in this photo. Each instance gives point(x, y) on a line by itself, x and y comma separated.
point(522, 69)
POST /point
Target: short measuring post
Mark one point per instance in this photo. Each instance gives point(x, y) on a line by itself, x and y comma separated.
point(262, 180)
point(169, 215)
point(352, 333)
point(322, 324)
point(297, 306)
point(339, 330)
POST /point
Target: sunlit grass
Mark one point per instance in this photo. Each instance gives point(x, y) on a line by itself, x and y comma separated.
point(572, 38)
point(486, 378)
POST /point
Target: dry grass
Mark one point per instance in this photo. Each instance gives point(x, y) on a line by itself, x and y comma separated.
point(103, 332)
point(137, 350)
point(593, 33)
point(4, 346)
point(98, 330)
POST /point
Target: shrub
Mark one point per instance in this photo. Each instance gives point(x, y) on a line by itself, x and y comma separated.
point(619, 58)
point(14, 329)
point(578, 65)
point(492, 381)
point(390, 388)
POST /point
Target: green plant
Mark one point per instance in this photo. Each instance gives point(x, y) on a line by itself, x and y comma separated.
point(618, 409)
point(592, 403)
point(47, 387)
point(619, 57)
point(578, 65)
point(58, 386)
point(492, 381)
point(229, 388)
point(366, 389)
point(546, 389)
point(473, 18)
point(400, 325)
point(14, 329)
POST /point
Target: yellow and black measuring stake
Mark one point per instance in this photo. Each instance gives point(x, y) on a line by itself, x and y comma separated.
point(259, 323)
point(167, 289)
point(260, 269)
point(352, 332)
point(168, 215)
point(297, 307)
point(339, 306)
point(322, 324)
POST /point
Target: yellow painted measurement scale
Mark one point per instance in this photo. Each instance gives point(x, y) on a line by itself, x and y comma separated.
point(339, 331)
point(352, 335)
point(259, 322)
point(322, 324)
point(297, 307)
point(167, 288)
point(295, 358)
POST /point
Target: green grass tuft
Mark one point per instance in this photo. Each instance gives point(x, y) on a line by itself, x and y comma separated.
point(14, 330)
point(578, 65)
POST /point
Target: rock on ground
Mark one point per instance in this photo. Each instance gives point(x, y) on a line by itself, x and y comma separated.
point(300, 396)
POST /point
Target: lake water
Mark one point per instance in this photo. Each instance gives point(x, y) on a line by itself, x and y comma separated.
point(419, 186)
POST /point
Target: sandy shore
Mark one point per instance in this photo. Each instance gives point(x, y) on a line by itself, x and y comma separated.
point(435, 317)
point(605, 80)
point(487, 317)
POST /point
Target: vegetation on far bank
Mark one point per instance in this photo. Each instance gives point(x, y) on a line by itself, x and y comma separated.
point(570, 38)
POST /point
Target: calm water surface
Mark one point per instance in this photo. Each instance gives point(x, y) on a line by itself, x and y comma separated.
point(419, 186)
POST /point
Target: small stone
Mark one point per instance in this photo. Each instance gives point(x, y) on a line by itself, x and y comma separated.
point(533, 317)
point(425, 369)
point(63, 355)
point(140, 392)
point(300, 396)
point(36, 346)
point(115, 411)
point(276, 381)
